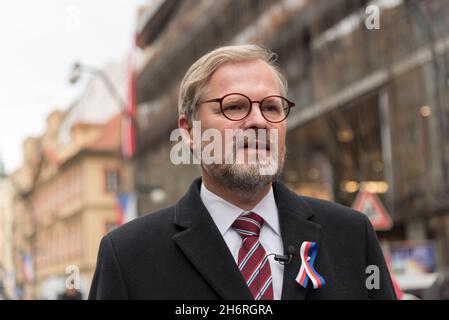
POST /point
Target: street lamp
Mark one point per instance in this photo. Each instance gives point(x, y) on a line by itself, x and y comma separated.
point(128, 115)
point(75, 76)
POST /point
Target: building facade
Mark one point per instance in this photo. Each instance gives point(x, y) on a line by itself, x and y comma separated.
point(7, 283)
point(71, 204)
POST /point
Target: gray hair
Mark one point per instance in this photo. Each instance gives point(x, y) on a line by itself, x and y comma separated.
point(196, 78)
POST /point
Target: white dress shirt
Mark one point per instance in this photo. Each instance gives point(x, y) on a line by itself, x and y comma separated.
point(224, 214)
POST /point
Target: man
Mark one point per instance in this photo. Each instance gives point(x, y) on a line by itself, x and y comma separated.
point(219, 241)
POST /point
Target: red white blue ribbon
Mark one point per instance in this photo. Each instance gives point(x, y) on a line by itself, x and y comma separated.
point(308, 252)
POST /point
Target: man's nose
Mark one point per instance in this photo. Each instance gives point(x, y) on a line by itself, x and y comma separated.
point(255, 118)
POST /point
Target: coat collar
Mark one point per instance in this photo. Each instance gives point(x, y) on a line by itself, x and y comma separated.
point(203, 245)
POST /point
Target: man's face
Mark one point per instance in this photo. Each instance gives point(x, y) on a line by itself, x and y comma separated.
point(256, 80)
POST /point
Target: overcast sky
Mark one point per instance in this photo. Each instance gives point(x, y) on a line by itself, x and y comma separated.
point(40, 41)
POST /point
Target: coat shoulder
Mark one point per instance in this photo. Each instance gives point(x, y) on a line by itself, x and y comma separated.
point(317, 209)
point(148, 228)
point(332, 210)
point(337, 219)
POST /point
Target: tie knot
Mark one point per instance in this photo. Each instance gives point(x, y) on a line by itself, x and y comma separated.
point(248, 225)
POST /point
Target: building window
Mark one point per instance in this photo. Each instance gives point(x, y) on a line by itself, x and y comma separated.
point(111, 180)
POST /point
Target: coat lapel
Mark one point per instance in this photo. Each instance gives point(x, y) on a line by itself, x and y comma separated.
point(204, 246)
point(294, 215)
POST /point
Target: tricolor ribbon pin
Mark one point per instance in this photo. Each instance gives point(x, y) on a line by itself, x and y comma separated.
point(308, 252)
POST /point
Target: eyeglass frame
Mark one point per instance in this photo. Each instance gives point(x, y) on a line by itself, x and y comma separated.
point(220, 101)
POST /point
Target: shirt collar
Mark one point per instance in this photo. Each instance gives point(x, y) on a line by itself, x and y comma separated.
point(224, 213)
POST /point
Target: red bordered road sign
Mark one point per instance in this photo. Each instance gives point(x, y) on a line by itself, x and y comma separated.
point(370, 204)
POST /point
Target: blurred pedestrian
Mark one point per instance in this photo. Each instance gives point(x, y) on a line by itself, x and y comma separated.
point(70, 294)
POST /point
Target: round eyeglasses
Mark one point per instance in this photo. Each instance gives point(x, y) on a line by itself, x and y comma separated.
point(237, 106)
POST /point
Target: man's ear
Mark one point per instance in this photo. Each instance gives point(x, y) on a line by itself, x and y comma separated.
point(185, 125)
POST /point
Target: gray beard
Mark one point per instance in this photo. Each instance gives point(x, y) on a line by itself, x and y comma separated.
point(244, 178)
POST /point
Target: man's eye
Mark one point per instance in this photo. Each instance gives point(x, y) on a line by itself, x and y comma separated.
point(233, 107)
point(271, 108)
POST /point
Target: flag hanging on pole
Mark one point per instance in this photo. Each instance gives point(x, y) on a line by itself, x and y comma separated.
point(128, 120)
point(27, 267)
point(126, 204)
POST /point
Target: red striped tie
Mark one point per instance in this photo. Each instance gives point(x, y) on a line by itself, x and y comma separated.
point(252, 261)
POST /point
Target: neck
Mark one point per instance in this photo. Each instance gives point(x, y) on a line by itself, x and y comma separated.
point(245, 201)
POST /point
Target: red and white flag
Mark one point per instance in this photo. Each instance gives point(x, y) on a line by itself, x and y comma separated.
point(128, 122)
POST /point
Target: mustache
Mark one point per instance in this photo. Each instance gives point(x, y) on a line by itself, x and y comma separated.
point(256, 144)
point(259, 142)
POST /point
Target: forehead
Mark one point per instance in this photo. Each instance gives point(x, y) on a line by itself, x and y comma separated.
point(253, 78)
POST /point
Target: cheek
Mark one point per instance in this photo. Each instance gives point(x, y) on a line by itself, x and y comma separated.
point(209, 119)
point(281, 141)
point(281, 132)
point(215, 132)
